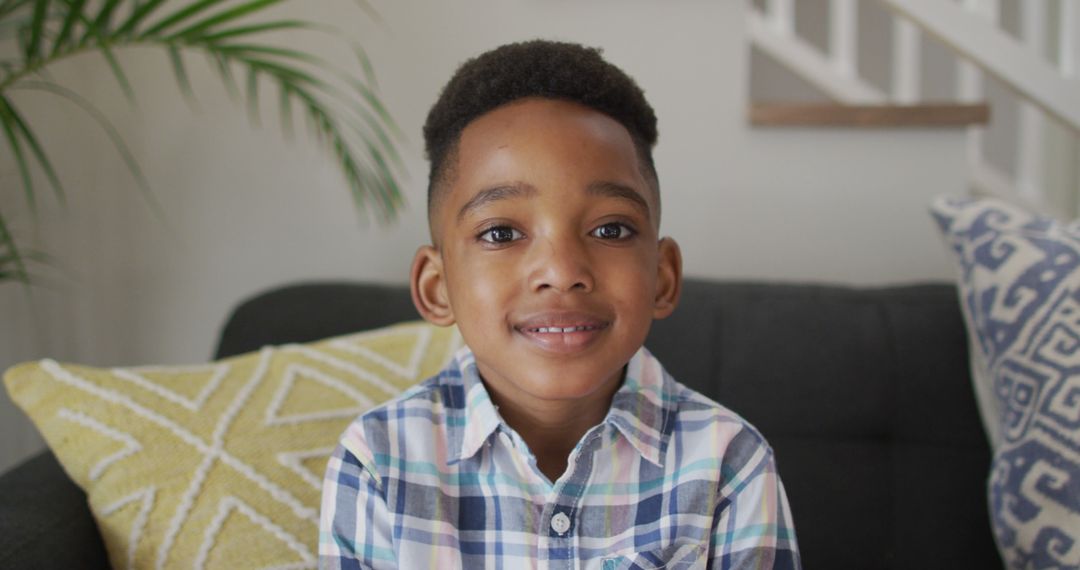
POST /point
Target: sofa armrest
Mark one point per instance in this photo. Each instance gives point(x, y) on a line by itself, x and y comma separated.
point(45, 521)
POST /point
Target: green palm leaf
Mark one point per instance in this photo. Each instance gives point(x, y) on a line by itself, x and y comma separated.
point(7, 123)
point(285, 107)
point(225, 17)
point(114, 136)
point(224, 68)
point(377, 124)
point(118, 72)
point(138, 15)
point(37, 29)
point(180, 71)
point(239, 31)
point(202, 6)
point(342, 109)
point(253, 95)
point(67, 29)
point(13, 265)
point(35, 147)
point(104, 17)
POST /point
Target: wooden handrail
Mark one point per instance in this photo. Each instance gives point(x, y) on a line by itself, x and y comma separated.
point(872, 116)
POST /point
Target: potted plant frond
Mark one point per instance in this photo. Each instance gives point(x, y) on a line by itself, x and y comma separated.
point(342, 109)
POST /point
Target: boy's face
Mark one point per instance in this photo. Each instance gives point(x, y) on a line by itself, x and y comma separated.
point(546, 252)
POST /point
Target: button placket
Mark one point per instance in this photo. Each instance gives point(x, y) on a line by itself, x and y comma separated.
point(564, 503)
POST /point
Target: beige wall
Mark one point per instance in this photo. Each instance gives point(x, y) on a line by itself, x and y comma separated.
point(247, 211)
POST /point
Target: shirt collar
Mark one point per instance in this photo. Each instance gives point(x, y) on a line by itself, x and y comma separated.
point(642, 408)
point(481, 418)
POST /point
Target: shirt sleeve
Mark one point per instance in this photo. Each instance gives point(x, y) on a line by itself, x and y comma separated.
point(354, 523)
point(752, 525)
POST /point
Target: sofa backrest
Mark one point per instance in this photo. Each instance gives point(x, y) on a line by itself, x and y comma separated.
point(863, 393)
point(866, 398)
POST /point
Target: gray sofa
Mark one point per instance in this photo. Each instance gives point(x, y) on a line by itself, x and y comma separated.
point(864, 394)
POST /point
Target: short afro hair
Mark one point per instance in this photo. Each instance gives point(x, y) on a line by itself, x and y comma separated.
point(537, 68)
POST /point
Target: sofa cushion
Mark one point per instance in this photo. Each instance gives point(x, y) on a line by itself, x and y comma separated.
point(218, 465)
point(1020, 292)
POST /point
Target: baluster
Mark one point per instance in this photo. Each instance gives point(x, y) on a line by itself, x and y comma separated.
point(969, 81)
point(905, 63)
point(1069, 62)
point(1029, 164)
point(1069, 38)
point(782, 15)
point(843, 20)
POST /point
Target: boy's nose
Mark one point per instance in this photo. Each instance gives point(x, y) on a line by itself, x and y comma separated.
point(562, 265)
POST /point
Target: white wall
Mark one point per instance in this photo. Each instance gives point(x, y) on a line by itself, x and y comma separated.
point(248, 211)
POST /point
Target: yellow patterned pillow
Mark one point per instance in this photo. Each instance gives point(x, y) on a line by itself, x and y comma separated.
point(219, 465)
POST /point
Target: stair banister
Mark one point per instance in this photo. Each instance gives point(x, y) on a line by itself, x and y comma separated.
point(999, 54)
point(795, 53)
point(1045, 79)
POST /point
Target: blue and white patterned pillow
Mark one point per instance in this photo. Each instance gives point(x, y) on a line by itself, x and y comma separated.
point(1020, 292)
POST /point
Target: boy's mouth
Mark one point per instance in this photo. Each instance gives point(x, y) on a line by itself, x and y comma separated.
point(549, 330)
point(562, 332)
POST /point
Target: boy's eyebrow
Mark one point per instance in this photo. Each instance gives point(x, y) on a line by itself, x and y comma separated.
point(620, 191)
point(514, 190)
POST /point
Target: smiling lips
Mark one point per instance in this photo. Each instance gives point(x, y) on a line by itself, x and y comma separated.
point(548, 330)
point(562, 332)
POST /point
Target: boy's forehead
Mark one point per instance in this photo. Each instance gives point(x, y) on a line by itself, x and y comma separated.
point(531, 116)
point(524, 136)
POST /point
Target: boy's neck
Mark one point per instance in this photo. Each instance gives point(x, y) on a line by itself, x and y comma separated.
point(551, 428)
point(552, 438)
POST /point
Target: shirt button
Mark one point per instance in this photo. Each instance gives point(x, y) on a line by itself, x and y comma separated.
point(560, 523)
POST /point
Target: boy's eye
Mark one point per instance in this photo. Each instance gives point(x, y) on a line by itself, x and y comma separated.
point(613, 230)
point(500, 234)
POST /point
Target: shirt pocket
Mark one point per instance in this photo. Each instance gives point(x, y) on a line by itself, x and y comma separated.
point(674, 557)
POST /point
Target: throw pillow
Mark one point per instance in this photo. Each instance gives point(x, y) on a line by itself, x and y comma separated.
point(1020, 291)
point(219, 465)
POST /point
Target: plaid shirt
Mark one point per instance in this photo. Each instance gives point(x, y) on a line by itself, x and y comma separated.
point(436, 479)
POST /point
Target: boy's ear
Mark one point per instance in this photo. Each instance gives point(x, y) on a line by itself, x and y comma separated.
point(668, 278)
point(428, 285)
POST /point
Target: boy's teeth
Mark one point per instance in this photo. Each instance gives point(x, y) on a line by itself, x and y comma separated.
point(562, 329)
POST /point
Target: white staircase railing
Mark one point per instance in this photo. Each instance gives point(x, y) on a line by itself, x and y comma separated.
point(1020, 64)
point(834, 73)
point(1047, 80)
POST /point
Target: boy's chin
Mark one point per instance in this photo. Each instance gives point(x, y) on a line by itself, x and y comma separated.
point(566, 383)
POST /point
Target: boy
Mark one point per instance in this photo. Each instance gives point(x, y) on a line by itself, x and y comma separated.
point(554, 439)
